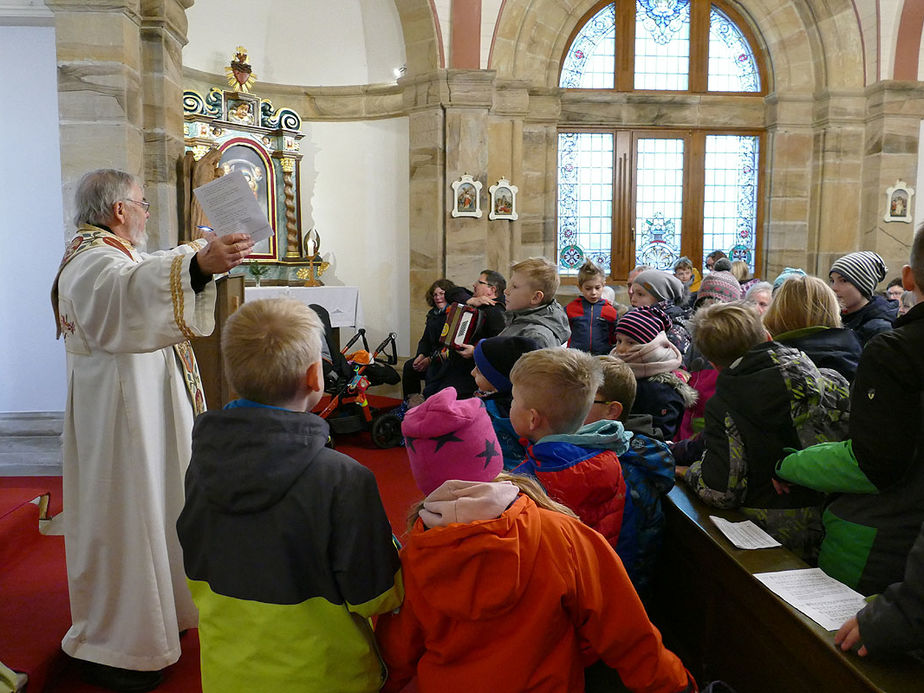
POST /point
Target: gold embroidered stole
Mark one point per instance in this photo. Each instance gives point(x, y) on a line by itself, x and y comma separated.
point(95, 237)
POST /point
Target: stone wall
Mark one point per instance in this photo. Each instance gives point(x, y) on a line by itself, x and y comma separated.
point(119, 71)
point(832, 145)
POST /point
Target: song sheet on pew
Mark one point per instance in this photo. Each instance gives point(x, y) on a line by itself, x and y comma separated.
point(744, 535)
point(820, 597)
point(231, 207)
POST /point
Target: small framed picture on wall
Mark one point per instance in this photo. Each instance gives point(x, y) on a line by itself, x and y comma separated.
point(466, 197)
point(503, 200)
point(898, 202)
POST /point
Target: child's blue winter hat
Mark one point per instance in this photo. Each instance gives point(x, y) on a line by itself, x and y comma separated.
point(496, 356)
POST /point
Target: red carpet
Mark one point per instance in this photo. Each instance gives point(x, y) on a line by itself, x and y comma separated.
point(34, 608)
point(34, 611)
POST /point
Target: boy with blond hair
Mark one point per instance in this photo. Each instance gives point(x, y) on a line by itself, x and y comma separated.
point(768, 397)
point(532, 310)
point(647, 467)
point(553, 392)
point(287, 548)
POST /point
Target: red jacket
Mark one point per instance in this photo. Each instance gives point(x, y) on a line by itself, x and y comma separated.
point(508, 604)
point(593, 325)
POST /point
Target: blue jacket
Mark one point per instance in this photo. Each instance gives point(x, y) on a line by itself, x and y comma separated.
point(514, 453)
point(648, 470)
point(593, 325)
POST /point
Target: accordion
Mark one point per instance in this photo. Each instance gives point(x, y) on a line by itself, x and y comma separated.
point(462, 322)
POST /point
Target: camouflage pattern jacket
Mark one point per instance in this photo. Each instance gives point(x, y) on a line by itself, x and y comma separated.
point(770, 399)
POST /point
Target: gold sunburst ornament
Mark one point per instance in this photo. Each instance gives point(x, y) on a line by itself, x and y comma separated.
point(240, 74)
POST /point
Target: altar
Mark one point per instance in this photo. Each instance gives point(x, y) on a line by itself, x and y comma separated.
point(341, 302)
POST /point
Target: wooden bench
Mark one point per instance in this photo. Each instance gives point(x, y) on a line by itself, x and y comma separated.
point(726, 625)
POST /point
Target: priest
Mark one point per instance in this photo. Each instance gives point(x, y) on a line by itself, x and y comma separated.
point(133, 391)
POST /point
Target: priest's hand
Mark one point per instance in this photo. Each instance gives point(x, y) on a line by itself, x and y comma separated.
point(223, 252)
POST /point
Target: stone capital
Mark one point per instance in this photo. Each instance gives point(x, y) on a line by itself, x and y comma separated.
point(839, 108)
point(130, 7)
point(167, 15)
point(25, 13)
point(895, 98)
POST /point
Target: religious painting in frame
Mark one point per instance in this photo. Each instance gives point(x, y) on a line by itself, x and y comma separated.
point(248, 158)
point(898, 202)
point(466, 197)
point(503, 200)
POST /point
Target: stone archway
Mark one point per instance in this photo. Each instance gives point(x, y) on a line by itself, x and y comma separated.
point(808, 46)
point(421, 42)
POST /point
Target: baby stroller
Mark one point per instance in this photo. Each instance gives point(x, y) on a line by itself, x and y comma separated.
point(347, 377)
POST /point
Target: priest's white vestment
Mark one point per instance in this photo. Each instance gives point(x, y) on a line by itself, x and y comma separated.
point(127, 441)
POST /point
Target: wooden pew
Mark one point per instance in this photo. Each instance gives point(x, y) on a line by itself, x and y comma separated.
point(726, 625)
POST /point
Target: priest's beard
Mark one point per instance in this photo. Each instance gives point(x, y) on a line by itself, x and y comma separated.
point(139, 237)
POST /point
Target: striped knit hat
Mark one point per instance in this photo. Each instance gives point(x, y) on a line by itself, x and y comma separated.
point(643, 324)
point(864, 269)
point(720, 285)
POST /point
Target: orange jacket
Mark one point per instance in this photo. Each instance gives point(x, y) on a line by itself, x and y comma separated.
point(509, 604)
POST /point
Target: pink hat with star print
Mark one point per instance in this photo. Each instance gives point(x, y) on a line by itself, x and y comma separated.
point(449, 438)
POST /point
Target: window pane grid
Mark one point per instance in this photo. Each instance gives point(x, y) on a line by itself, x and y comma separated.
point(730, 196)
point(591, 60)
point(585, 200)
point(732, 66)
point(662, 44)
point(658, 201)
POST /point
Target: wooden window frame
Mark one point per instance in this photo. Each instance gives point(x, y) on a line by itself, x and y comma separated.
point(622, 254)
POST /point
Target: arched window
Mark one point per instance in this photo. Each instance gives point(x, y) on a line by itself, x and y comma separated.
point(632, 190)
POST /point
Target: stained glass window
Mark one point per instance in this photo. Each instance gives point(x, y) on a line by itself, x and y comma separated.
point(585, 200)
point(659, 202)
point(662, 44)
point(732, 66)
point(591, 60)
point(623, 186)
point(730, 196)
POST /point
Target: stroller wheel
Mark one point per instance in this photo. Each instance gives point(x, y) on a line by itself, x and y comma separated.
point(386, 430)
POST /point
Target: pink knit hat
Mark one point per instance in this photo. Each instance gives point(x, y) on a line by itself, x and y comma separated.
point(448, 438)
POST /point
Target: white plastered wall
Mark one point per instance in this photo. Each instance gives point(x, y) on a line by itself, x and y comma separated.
point(318, 43)
point(359, 204)
point(32, 373)
point(354, 175)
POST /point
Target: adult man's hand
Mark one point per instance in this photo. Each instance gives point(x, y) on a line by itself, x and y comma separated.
point(223, 252)
point(476, 301)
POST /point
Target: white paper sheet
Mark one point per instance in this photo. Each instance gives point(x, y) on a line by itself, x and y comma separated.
point(744, 535)
point(231, 207)
point(822, 598)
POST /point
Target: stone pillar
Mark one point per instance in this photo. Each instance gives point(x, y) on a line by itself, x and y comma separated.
point(120, 95)
point(471, 94)
point(894, 114)
point(789, 143)
point(423, 97)
point(536, 233)
point(163, 35)
point(836, 181)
